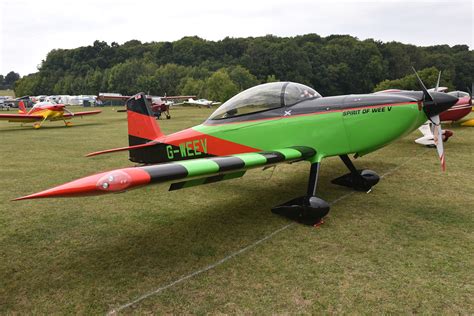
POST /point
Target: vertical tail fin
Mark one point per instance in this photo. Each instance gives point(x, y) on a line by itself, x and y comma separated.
point(144, 134)
point(22, 107)
point(142, 129)
point(142, 125)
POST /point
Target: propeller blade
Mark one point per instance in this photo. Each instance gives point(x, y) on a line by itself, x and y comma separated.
point(438, 139)
point(65, 109)
point(426, 94)
point(437, 82)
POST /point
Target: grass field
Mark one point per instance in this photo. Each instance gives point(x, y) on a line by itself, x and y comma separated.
point(10, 93)
point(407, 247)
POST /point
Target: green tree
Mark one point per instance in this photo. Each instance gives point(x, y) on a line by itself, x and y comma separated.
point(191, 86)
point(123, 77)
point(28, 85)
point(336, 64)
point(220, 87)
point(271, 78)
point(167, 78)
point(10, 79)
point(242, 77)
point(410, 82)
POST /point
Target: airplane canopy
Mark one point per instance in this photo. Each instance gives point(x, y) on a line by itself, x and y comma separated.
point(459, 94)
point(40, 104)
point(264, 97)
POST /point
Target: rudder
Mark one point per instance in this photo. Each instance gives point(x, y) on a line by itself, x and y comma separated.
point(142, 125)
point(22, 108)
point(143, 129)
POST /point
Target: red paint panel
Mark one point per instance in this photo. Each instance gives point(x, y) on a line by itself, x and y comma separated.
point(462, 108)
point(22, 107)
point(117, 180)
point(215, 146)
point(454, 115)
point(143, 126)
point(21, 116)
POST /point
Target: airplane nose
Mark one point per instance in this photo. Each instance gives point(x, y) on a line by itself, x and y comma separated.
point(441, 102)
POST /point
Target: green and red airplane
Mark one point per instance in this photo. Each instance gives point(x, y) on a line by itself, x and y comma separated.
point(273, 123)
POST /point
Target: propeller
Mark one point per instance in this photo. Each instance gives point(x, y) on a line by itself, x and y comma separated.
point(437, 82)
point(433, 105)
point(426, 94)
point(66, 110)
point(438, 139)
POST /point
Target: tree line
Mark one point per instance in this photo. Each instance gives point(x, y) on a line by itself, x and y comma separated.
point(336, 64)
point(8, 81)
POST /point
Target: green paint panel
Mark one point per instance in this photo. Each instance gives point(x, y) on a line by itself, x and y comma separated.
point(290, 153)
point(252, 159)
point(329, 133)
point(200, 167)
point(373, 128)
point(324, 132)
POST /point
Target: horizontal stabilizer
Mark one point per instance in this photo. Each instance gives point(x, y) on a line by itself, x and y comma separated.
point(114, 150)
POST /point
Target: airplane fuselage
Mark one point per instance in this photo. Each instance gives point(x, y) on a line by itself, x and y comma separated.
point(332, 126)
point(48, 110)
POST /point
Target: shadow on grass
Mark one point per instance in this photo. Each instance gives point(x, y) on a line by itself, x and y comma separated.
point(29, 128)
point(167, 244)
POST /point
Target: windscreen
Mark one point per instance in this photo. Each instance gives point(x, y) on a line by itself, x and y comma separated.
point(264, 97)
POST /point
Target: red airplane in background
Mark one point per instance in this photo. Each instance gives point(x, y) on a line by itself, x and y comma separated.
point(43, 111)
point(461, 109)
point(159, 105)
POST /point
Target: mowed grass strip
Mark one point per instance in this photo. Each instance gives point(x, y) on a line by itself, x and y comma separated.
point(404, 248)
point(7, 92)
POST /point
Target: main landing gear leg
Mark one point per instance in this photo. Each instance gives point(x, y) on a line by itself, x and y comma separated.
point(308, 209)
point(67, 123)
point(37, 125)
point(359, 180)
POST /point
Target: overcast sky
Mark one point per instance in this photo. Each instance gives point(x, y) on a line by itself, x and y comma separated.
point(29, 29)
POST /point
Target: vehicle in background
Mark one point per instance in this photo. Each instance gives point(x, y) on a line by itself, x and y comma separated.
point(4, 106)
point(13, 103)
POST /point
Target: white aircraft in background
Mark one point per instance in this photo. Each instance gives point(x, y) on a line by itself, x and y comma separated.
point(428, 139)
point(201, 102)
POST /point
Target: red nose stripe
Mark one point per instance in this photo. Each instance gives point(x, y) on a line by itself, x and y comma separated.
point(105, 182)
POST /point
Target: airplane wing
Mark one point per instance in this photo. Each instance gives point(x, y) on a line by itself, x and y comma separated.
point(23, 118)
point(181, 174)
point(70, 115)
point(235, 166)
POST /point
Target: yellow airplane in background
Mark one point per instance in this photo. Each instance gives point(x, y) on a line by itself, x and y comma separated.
point(43, 111)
